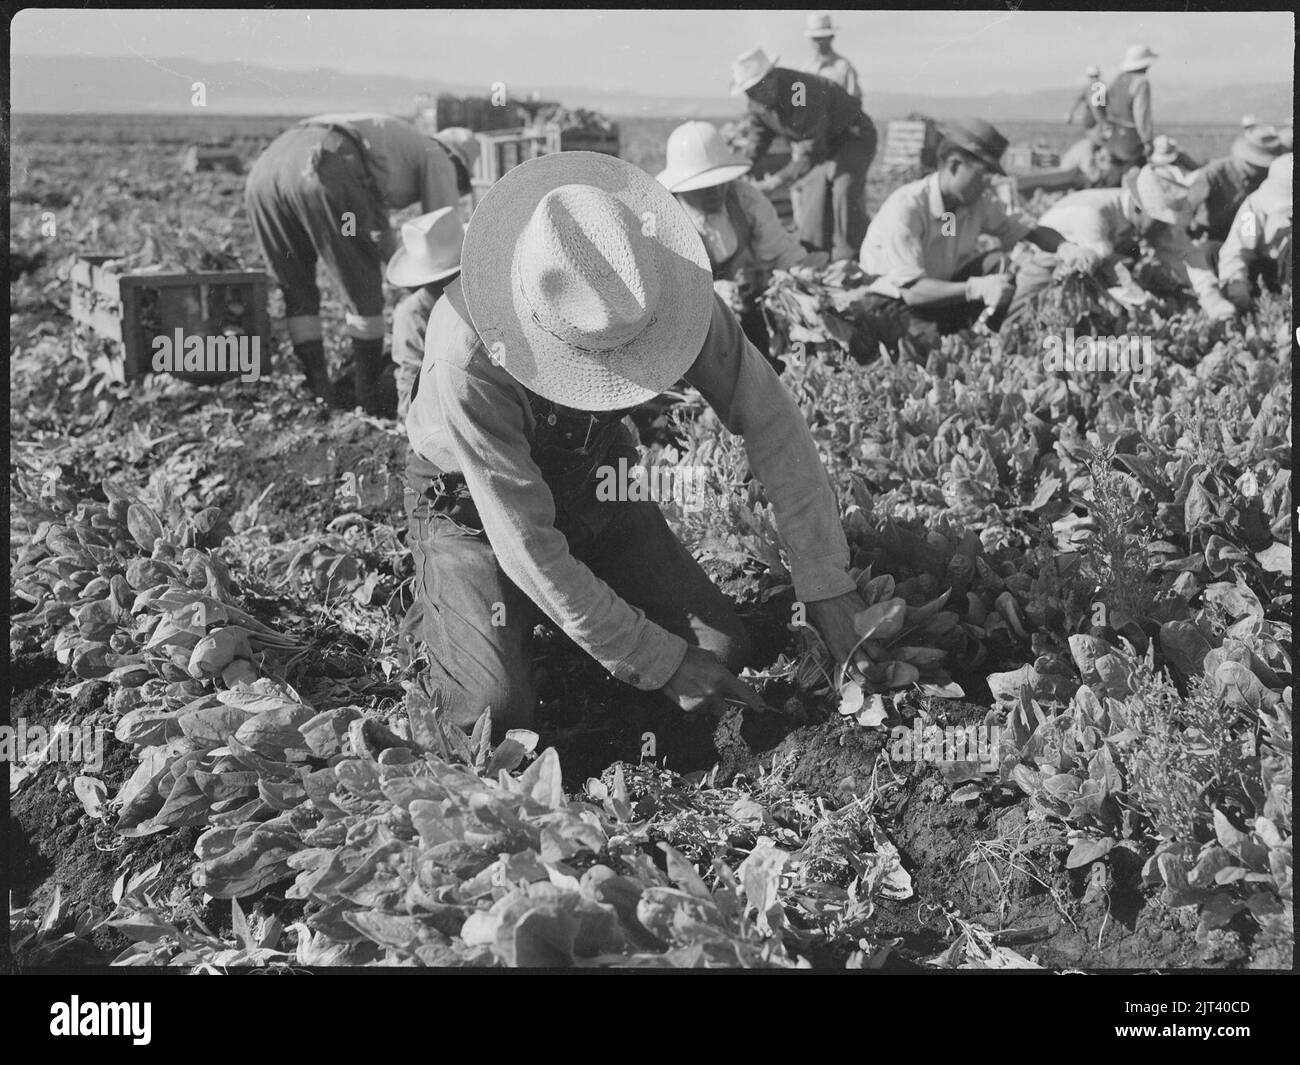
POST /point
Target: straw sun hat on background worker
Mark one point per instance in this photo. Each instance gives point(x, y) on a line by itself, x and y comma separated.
point(742, 234)
point(585, 292)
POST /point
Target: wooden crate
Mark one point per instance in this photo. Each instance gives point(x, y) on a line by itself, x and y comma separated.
point(580, 140)
point(211, 157)
point(910, 144)
point(132, 309)
point(501, 150)
point(478, 113)
point(1019, 159)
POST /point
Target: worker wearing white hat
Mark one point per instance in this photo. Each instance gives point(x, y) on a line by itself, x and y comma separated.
point(1229, 180)
point(826, 62)
point(1152, 208)
point(832, 145)
point(1257, 251)
point(322, 190)
point(1091, 101)
point(426, 263)
point(1128, 108)
point(742, 234)
point(572, 310)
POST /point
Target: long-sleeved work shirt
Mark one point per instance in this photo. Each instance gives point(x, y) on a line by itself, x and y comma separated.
point(812, 113)
point(1096, 219)
point(1228, 183)
point(410, 321)
point(408, 166)
point(836, 68)
point(471, 416)
point(1254, 233)
point(914, 235)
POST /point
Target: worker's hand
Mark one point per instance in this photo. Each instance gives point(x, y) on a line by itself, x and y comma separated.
point(731, 294)
point(1218, 309)
point(990, 290)
point(1078, 259)
point(702, 684)
point(833, 620)
point(1238, 293)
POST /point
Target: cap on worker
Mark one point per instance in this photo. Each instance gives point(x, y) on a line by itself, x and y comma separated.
point(462, 143)
point(698, 158)
point(1093, 71)
point(430, 249)
point(586, 281)
point(1275, 194)
point(749, 69)
point(1138, 57)
point(819, 25)
point(978, 137)
point(1161, 192)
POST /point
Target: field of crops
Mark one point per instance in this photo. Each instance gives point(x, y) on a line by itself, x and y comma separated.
point(1090, 572)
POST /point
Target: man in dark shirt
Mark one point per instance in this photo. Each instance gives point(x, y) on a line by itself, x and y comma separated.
point(1228, 181)
point(832, 145)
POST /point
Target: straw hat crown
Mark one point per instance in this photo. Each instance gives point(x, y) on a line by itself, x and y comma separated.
point(430, 249)
point(749, 69)
point(698, 158)
point(819, 25)
point(461, 142)
point(1138, 57)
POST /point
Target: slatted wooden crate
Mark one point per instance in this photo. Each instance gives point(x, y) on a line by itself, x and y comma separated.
point(501, 150)
point(211, 157)
point(132, 309)
point(910, 144)
point(478, 113)
point(581, 140)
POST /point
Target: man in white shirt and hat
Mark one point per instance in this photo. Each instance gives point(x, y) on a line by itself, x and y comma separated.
point(832, 145)
point(585, 291)
point(323, 190)
point(426, 263)
point(1128, 108)
point(1153, 208)
point(1092, 101)
point(1257, 250)
point(742, 234)
point(826, 62)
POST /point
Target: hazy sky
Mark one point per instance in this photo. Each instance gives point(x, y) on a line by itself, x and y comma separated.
point(683, 52)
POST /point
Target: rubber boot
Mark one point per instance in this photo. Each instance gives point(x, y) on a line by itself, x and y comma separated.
point(311, 354)
point(376, 392)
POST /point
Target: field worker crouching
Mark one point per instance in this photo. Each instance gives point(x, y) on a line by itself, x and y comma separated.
point(322, 190)
point(742, 234)
point(1258, 247)
point(426, 263)
point(1228, 181)
point(1151, 207)
point(928, 277)
point(832, 145)
point(585, 292)
point(826, 62)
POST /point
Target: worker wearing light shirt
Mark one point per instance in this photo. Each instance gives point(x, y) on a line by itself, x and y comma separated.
point(826, 62)
point(1258, 246)
point(1151, 206)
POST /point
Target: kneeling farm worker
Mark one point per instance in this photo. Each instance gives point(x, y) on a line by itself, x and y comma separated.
point(585, 292)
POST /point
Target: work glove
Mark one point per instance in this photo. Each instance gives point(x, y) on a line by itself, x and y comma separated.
point(1218, 309)
point(990, 290)
point(1078, 259)
point(1238, 293)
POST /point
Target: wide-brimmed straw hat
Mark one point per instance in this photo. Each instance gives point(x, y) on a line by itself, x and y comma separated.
point(749, 69)
point(586, 281)
point(1275, 194)
point(978, 137)
point(1161, 192)
point(1138, 57)
point(819, 25)
point(462, 143)
point(430, 249)
point(698, 158)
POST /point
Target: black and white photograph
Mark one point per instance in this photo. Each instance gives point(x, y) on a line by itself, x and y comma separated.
point(635, 489)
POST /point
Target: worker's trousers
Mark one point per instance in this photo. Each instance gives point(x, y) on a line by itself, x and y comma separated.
point(311, 198)
point(831, 200)
point(477, 625)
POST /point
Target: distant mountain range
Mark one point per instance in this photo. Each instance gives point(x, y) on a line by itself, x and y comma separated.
point(137, 85)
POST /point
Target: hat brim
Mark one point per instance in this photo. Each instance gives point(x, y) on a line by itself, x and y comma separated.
point(1138, 64)
point(966, 144)
point(738, 87)
point(817, 35)
point(707, 179)
point(407, 271)
point(1254, 154)
point(542, 363)
point(1161, 213)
